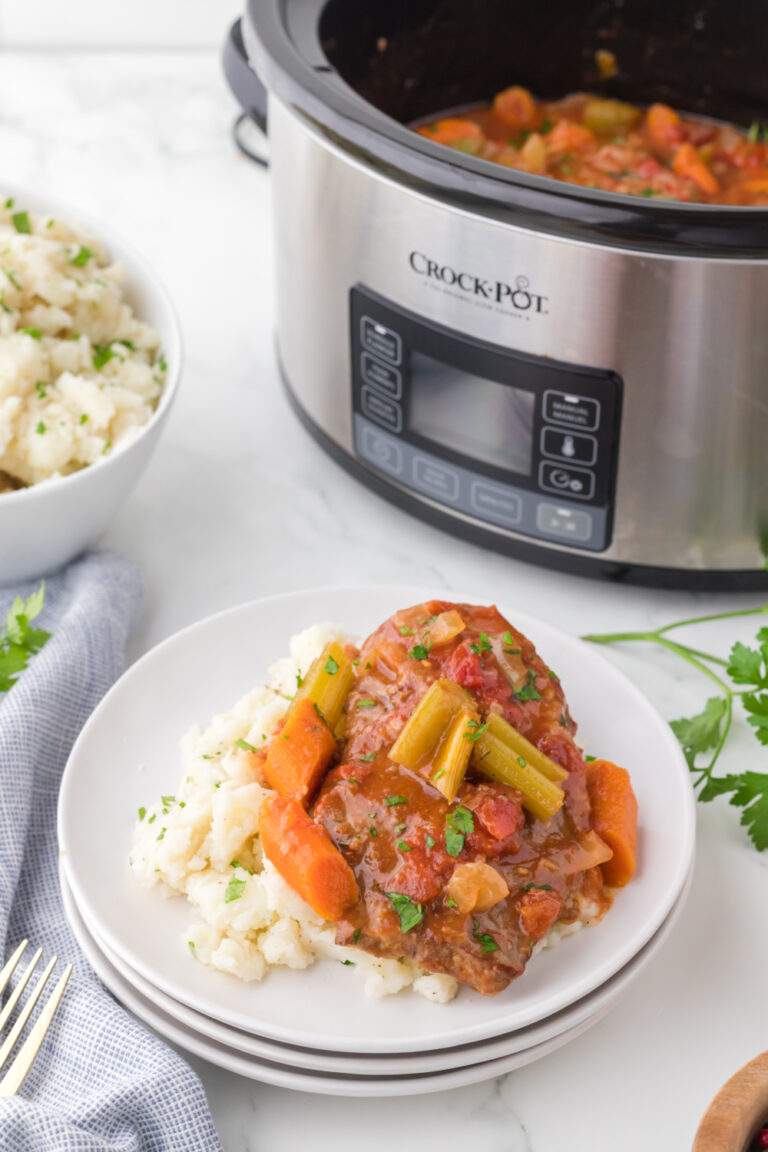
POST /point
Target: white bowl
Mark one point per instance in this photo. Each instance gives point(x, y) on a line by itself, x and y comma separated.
point(44, 526)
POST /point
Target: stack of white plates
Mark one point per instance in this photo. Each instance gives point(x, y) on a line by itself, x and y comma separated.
point(313, 1029)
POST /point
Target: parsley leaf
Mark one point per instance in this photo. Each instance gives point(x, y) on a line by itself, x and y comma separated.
point(366, 704)
point(700, 733)
point(528, 690)
point(459, 823)
point(483, 644)
point(81, 257)
point(757, 706)
point(21, 222)
point(484, 939)
point(19, 640)
point(244, 746)
point(475, 730)
point(419, 652)
point(750, 665)
point(101, 355)
point(409, 912)
point(234, 890)
point(331, 666)
point(393, 801)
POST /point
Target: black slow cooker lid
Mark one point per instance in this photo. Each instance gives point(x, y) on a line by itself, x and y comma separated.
point(365, 71)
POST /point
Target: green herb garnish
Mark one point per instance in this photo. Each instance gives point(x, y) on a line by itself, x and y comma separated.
point(21, 222)
point(528, 690)
point(475, 730)
point(393, 801)
point(234, 889)
point(459, 823)
point(419, 652)
point(142, 812)
point(483, 644)
point(365, 703)
point(33, 333)
point(409, 912)
point(101, 355)
point(81, 257)
point(245, 746)
point(485, 940)
point(741, 679)
point(331, 666)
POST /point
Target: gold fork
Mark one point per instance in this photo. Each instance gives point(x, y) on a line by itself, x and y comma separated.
point(16, 1074)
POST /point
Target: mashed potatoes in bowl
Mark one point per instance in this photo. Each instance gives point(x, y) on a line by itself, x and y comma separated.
point(90, 355)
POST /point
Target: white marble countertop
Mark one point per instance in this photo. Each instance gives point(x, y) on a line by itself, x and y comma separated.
point(239, 503)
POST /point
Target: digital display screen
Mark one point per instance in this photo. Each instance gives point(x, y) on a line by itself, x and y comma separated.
point(482, 419)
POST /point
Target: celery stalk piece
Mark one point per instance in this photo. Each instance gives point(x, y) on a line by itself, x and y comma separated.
point(427, 724)
point(328, 683)
point(494, 759)
point(518, 744)
point(452, 759)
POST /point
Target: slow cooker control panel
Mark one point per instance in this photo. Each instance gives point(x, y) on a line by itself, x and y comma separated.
point(522, 443)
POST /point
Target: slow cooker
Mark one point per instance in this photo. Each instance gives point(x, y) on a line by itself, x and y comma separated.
point(575, 377)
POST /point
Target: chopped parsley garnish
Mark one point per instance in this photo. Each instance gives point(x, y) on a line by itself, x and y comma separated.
point(537, 888)
point(366, 703)
point(152, 818)
point(459, 823)
point(409, 912)
point(234, 890)
point(12, 278)
point(528, 690)
point(368, 757)
point(509, 644)
point(545, 126)
point(83, 417)
point(331, 666)
point(142, 812)
point(245, 746)
point(647, 192)
point(33, 333)
point(373, 831)
point(166, 801)
point(8, 204)
point(191, 945)
point(429, 841)
point(299, 679)
point(162, 364)
point(589, 759)
point(450, 902)
point(161, 834)
point(21, 222)
point(419, 652)
point(102, 354)
point(475, 730)
point(81, 257)
point(404, 630)
point(40, 428)
point(356, 935)
point(522, 761)
point(482, 644)
point(348, 963)
point(393, 801)
point(485, 940)
point(403, 846)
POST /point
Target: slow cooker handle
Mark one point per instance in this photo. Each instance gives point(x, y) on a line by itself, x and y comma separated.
point(248, 91)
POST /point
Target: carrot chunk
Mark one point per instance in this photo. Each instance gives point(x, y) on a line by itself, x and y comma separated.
point(664, 127)
point(300, 753)
point(456, 133)
point(687, 162)
point(516, 108)
point(614, 817)
point(306, 858)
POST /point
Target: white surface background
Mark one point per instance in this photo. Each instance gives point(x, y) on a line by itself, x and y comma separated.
point(239, 502)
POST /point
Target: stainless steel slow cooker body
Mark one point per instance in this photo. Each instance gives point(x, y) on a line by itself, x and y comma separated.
point(421, 328)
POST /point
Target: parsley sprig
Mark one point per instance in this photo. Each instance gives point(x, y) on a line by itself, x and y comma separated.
point(742, 682)
point(20, 641)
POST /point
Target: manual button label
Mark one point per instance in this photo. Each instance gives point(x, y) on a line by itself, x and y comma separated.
point(575, 411)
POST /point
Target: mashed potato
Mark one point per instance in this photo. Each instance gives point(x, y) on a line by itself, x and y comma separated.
point(79, 373)
point(202, 842)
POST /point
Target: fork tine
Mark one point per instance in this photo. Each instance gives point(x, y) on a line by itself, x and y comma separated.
point(16, 1074)
point(26, 1012)
point(10, 967)
point(23, 980)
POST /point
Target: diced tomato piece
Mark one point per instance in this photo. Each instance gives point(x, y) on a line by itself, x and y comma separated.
point(501, 816)
point(516, 108)
point(538, 911)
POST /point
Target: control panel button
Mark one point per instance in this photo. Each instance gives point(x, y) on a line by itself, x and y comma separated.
point(382, 451)
point(575, 411)
point(495, 503)
point(564, 523)
point(568, 446)
point(575, 483)
point(435, 479)
point(381, 409)
point(382, 376)
point(380, 340)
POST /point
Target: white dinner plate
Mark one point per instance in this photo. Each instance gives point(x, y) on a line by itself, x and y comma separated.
point(591, 1007)
point(127, 755)
point(282, 1076)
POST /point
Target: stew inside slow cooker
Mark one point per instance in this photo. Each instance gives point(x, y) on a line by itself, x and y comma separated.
point(615, 146)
